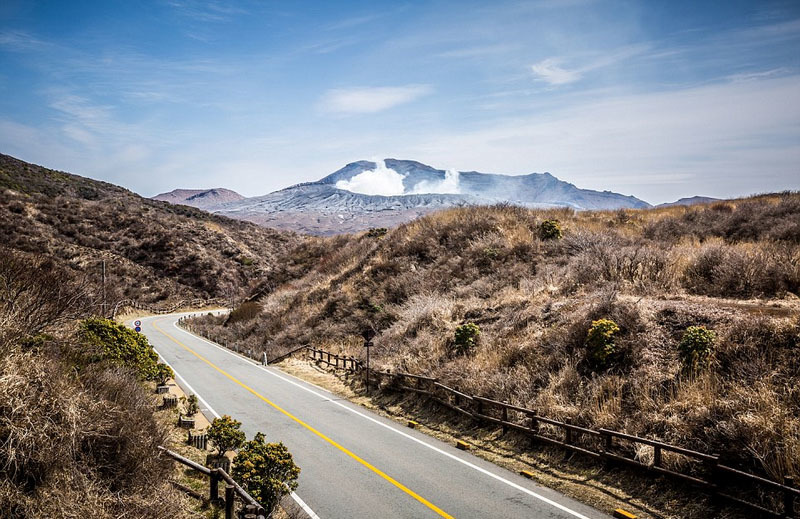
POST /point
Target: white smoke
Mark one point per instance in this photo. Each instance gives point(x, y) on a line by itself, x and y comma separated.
point(448, 185)
point(379, 181)
point(387, 182)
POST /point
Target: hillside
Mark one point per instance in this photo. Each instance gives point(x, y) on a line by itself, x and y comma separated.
point(692, 200)
point(205, 199)
point(399, 191)
point(155, 251)
point(733, 267)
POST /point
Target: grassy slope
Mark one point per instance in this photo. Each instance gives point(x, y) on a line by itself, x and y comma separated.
point(155, 251)
point(732, 266)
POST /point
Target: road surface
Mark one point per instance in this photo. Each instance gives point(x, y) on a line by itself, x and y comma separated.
point(354, 463)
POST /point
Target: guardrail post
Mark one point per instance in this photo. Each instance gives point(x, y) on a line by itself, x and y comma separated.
point(213, 490)
point(505, 419)
point(229, 501)
point(657, 456)
point(788, 498)
point(336, 358)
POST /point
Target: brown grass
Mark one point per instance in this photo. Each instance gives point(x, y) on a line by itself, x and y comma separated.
point(730, 266)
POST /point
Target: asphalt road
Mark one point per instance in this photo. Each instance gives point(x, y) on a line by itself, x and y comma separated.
point(354, 463)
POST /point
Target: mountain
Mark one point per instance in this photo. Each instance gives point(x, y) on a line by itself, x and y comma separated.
point(411, 189)
point(693, 200)
point(155, 252)
point(206, 199)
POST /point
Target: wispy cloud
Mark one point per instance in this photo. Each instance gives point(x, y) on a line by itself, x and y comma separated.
point(551, 71)
point(20, 41)
point(365, 100)
point(206, 10)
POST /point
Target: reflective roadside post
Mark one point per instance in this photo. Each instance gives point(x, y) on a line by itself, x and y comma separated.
point(368, 334)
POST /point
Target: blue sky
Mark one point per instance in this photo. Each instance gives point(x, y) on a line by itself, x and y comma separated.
point(656, 99)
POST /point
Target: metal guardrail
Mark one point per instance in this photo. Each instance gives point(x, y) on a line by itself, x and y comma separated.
point(602, 444)
point(252, 508)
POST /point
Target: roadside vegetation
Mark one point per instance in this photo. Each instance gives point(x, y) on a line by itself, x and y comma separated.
point(79, 428)
point(680, 324)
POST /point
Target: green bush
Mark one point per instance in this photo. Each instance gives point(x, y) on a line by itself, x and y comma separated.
point(466, 338)
point(162, 373)
point(696, 346)
point(600, 343)
point(116, 343)
point(266, 470)
point(192, 407)
point(225, 434)
point(550, 230)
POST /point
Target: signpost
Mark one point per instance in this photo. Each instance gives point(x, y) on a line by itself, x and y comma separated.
point(368, 334)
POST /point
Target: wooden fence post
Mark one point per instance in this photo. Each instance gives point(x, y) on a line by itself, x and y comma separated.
point(657, 456)
point(213, 490)
point(788, 498)
point(229, 501)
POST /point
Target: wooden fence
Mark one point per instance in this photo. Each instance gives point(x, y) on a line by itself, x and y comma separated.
point(702, 470)
point(251, 509)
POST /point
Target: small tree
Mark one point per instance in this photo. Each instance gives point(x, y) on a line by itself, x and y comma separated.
point(466, 338)
point(266, 470)
point(600, 342)
point(163, 373)
point(550, 230)
point(225, 434)
point(696, 346)
point(192, 408)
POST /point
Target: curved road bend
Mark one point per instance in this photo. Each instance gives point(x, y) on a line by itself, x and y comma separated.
point(355, 464)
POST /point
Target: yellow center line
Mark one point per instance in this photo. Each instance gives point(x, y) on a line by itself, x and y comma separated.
point(367, 464)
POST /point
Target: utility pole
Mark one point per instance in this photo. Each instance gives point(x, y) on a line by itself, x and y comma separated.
point(104, 289)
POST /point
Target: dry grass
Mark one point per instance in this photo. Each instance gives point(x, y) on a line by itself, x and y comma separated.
point(732, 266)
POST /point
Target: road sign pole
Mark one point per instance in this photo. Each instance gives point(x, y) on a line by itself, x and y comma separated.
point(368, 334)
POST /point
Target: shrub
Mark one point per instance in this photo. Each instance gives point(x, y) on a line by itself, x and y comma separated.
point(225, 434)
point(600, 342)
point(163, 373)
point(192, 408)
point(466, 338)
point(377, 232)
point(244, 312)
point(266, 470)
point(550, 230)
point(696, 346)
point(120, 345)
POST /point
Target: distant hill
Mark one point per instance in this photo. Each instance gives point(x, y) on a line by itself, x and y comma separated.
point(205, 199)
point(155, 251)
point(332, 205)
point(694, 200)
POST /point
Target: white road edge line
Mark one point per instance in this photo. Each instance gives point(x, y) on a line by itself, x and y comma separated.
point(402, 433)
point(296, 498)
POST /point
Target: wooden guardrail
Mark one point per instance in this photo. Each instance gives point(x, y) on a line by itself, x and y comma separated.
point(135, 305)
point(252, 508)
point(704, 470)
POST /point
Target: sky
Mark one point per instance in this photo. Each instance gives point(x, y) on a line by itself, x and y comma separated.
point(656, 99)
